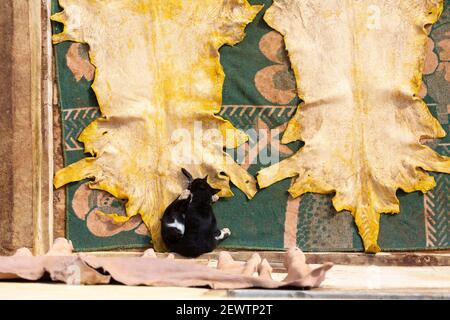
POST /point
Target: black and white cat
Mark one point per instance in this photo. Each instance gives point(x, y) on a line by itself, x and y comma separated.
point(189, 226)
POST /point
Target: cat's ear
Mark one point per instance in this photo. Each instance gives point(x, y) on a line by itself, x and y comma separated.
point(187, 175)
point(205, 178)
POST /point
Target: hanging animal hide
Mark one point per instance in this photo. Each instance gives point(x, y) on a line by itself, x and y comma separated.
point(158, 81)
point(358, 66)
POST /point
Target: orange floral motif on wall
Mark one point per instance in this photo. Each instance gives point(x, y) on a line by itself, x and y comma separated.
point(78, 62)
point(276, 83)
point(91, 205)
point(431, 64)
point(437, 70)
point(444, 55)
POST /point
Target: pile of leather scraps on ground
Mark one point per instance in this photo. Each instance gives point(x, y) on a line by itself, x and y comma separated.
point(60, 264)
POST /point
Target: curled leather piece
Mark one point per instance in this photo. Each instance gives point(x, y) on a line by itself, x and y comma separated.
point(149, 270)
point(59, 264)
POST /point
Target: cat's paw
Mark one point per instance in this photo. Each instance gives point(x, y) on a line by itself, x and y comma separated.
point(226, 232)
point(185, 195)
point(223, 234)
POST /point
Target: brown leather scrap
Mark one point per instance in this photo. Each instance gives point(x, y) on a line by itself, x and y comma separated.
point(61, 265)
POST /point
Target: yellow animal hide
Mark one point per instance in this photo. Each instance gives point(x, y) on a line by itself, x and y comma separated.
point(358, 67)
point(158, 81)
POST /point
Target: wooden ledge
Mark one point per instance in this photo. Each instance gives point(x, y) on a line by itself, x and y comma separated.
point(400, 259)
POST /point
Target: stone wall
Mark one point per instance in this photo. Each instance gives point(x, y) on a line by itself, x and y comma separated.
point(25, 165)
point(16, 215)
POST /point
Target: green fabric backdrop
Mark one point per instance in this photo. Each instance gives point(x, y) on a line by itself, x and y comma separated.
point(259, 93)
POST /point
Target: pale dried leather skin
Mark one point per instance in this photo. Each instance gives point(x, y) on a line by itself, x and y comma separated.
point(157, 70)
point(62, 265)
point(361, 120)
